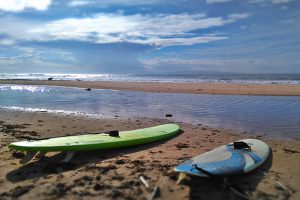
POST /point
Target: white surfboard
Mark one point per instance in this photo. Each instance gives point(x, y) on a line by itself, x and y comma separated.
point(226, 160)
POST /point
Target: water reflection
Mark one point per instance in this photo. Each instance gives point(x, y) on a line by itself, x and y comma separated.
point(25, 88)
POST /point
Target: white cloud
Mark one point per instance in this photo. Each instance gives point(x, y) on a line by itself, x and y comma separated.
point(76, 3)
point(213, 64)
point(156, 29)
point(180, 41)
point(6, 60)
point(281, 1)
point(104, 3)
point(270, 1)
point(6, 42)
point(217, 1)
point(236, 16)
point(251, 1)
point(178, 61)
point(20, 5)
point(30, 58)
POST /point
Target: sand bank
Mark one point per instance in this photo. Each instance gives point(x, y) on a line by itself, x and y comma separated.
point(115, 174)
point(192, 88)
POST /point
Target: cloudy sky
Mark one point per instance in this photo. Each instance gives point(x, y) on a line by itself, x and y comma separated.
point(153, 36)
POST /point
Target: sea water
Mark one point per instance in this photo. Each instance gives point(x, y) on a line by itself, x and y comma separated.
point(179, 77)
point(275, 116)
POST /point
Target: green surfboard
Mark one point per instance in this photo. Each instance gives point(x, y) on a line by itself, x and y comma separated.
point(99, 141)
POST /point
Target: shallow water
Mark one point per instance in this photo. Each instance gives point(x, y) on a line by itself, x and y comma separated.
point(275, 116)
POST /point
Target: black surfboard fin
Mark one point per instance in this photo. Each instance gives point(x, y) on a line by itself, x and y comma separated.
point(241, 145)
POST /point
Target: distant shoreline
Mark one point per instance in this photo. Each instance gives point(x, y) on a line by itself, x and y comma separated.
point(166, 87)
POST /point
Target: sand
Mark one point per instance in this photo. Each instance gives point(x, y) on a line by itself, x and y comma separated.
point(114, 174)
point(192, 88)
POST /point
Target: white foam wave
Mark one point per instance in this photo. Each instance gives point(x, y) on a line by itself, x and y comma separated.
point(58, 112)
point(29, 88)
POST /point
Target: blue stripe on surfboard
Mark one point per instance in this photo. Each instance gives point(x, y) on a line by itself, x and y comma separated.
point(255, 157)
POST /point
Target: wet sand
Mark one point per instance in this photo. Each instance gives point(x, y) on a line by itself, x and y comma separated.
point(191, 88)
point(114, 174)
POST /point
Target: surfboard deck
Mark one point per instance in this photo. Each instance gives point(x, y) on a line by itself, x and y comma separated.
point(98, 141)
point(226, 161)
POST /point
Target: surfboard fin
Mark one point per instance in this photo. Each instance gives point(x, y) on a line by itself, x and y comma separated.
point(181, 176)
point(29, 155)
point(69, 156)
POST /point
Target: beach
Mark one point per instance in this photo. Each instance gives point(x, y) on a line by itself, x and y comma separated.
point(114, 174)
point(188, 88)
point(149, 100)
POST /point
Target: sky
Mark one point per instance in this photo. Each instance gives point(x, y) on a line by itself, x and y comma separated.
point(153, 36)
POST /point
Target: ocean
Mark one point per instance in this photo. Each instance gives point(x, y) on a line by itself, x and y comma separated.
point(179, 77)
point(274, 116)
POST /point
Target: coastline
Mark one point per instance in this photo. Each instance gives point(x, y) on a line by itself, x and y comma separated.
point(190, 88)
point(114, 174)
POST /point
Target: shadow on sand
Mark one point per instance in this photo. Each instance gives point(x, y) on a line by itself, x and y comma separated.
point(52, 165)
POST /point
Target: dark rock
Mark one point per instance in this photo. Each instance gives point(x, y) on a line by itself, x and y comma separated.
point(50, 79)
point(169, 115)
point(88, 89)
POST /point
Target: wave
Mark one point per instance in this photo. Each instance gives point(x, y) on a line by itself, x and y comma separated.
point(28, 88)
point(288, 79)
point(59, 112)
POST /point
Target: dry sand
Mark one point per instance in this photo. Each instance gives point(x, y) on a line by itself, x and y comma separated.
point(115, 174)
point(192, 88)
